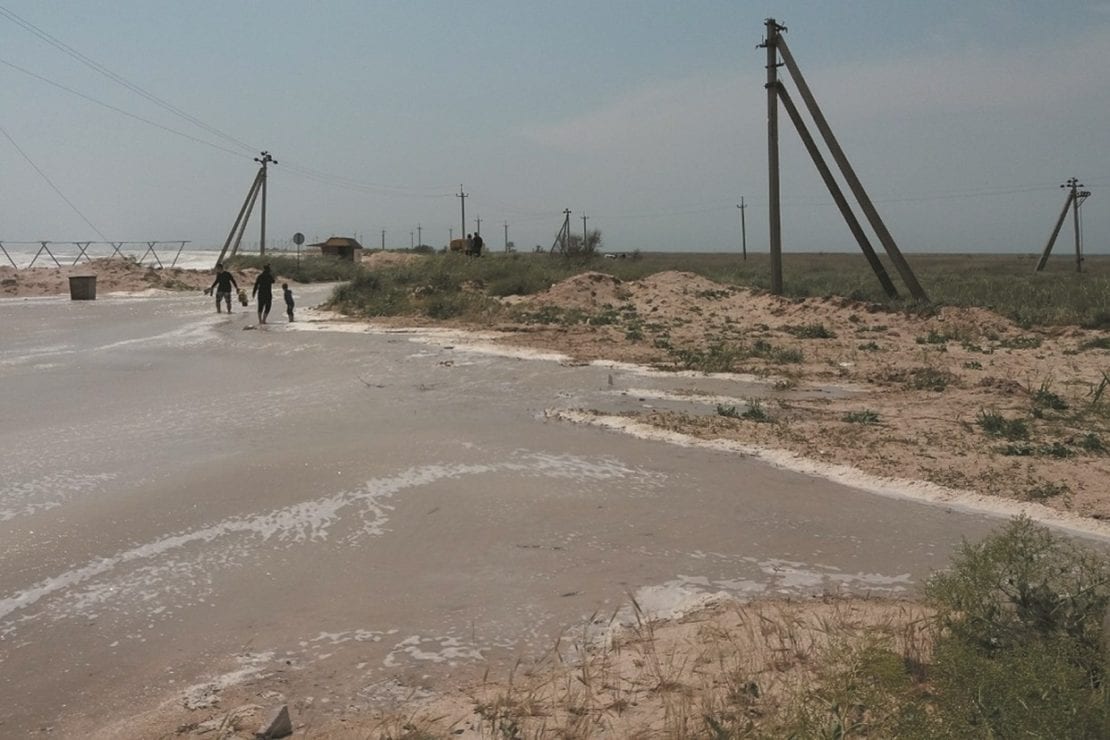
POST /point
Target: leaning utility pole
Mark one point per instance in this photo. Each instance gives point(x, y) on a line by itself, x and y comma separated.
point(462, 202)
point(1074, 200)
point(265, 159)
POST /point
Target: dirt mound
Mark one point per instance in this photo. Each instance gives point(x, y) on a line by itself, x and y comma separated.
point(111, 275)
point(586, 291)
point(389, 259)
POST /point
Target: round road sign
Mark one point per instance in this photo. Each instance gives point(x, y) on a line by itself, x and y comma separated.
point(298, 238)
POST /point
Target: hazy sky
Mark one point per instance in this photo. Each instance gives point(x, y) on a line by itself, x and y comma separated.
point(962, 119)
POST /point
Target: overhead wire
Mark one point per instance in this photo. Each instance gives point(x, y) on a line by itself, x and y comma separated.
point(100, 68)
point(52, 185)
point(248, 150)
point(121, 111)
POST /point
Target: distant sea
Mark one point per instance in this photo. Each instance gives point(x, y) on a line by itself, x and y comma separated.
point(168, 254)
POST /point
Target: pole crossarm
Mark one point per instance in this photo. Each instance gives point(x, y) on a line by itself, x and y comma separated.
point(777, 42)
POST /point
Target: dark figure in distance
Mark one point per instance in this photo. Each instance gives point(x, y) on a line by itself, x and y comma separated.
point(288, 294)
point(263, 290)
point(476, 245)
point(223, 284)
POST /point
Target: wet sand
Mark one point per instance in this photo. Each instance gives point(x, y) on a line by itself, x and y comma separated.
point(196, 515)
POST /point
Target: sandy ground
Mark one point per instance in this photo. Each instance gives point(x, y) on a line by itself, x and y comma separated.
point(843, 382)
point(112, 275)
point(917, 389)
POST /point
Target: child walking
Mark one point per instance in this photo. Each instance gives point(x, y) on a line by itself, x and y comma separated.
point(288, 299)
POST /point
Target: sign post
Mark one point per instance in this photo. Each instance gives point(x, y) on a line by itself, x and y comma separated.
point(298, 239)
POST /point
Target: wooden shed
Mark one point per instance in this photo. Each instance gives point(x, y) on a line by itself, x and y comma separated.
point(340, 247)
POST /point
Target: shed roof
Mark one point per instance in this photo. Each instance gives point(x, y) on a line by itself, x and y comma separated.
point(339, 241)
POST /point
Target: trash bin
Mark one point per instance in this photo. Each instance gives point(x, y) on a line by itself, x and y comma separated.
point(82, 287)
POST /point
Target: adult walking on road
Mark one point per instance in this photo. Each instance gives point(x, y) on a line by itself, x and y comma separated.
point(223, 284)
point(263, 292)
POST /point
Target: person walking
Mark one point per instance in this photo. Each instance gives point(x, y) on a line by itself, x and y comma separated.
point(288, 295)
point(223, 284)
point(263, 291)
point(477, 244)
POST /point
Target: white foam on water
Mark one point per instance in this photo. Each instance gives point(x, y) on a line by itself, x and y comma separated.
point(48, 492)
point(365, 508)
point(913, 490)
point(449, 650)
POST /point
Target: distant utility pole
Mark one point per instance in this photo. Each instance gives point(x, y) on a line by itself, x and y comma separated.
point(506, 236)
point(743, 228)
point(479, 222)
point(419, 234)
point(1073, 201)
point(462, 202)
point(411, 244)
point(264, 160)
point(450, 235)
point(383, 240)
point(585, 235)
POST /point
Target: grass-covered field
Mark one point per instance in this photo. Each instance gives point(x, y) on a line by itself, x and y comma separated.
point(446, 286)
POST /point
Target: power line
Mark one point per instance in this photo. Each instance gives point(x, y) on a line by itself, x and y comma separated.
point(121, 111)
point(51, 184)
point(93, 64)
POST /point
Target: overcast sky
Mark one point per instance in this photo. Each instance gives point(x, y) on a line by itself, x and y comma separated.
point(962, 119)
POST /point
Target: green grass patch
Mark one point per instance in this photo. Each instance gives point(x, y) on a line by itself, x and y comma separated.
point(995, 424)
point(810, 331)
point(862, 417)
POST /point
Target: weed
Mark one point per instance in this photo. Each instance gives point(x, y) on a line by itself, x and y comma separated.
point(1044, 398)
point(1021, 651)
point(869, 347)
point(755, 411)
point(728, 411)
point(1046, 490)
point(1022, 342)
point(862, 417)
point(1091, 442)
point(1096, 343)
point(1057, 449)
point(973, 365)
point(930, 379)
point(1019, 449)
point(995, 424)
point(810, 331)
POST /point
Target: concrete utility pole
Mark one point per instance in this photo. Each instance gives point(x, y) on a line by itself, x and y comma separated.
point(419, 235)
point(585, 234)
point(1074, 184)
point(506, 236)
point(478, 221)
point(411, 243)
point(265, 159)
point(383, 240)
point(743, 228)
point(774, 215)
point(462, 201)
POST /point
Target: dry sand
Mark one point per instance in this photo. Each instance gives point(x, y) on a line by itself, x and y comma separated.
point(112, 275)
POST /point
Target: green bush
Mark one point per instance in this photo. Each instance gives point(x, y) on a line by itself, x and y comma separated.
point(1021, 653)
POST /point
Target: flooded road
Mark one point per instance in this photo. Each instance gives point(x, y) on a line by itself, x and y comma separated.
point(188, 505)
